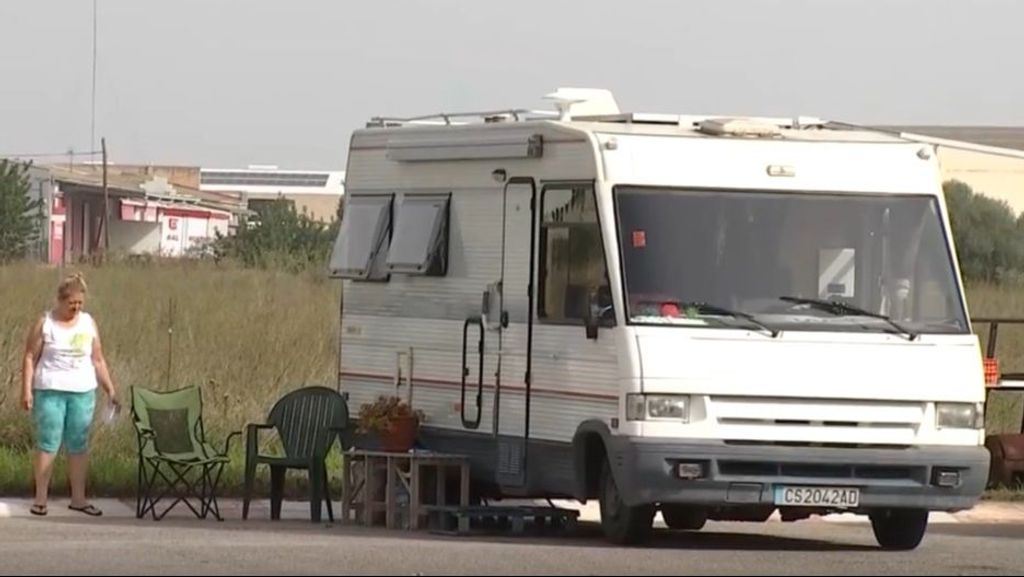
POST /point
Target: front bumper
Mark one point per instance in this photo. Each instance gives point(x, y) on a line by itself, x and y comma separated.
point(645, 472)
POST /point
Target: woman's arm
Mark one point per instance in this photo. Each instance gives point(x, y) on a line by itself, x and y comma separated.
point(102, 372)
point(33, 348)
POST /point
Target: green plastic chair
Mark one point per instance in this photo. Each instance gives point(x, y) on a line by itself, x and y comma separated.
point(175, 458)
point(307, 421)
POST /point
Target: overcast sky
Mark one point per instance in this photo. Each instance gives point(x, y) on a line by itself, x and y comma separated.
point(220, 83)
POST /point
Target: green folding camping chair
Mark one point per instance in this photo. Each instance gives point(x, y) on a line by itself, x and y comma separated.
point(175, 460)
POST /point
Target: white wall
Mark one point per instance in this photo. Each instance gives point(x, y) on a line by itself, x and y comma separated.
point(134, 237)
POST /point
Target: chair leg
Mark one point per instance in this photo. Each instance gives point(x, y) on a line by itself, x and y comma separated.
point(212, 475)
point(150, 498)
point(276, 491)
point(154, 494)
point(145, 500)
point(250, 474)
point(139, 512)
point(204, 490)
point(327, 495)
point(182, 487)
point(315, 493)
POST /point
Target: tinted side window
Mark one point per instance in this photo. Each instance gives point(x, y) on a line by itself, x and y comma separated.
point(572, 263)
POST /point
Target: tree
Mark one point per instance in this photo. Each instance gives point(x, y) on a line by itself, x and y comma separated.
point(19, 212)
point(989, 237)
point(280, 237)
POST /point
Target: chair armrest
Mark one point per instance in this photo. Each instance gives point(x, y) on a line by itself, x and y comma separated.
point(344, 434)
point(144, 434)
point(252, 437)
point(227, 442)
point(143, 430)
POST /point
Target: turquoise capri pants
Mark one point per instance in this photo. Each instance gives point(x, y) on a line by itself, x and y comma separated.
point(62, 416)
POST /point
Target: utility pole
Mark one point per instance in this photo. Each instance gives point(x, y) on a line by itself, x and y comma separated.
point(44, 222)
point(171, 306)
point(92, 131)
point(106, 201)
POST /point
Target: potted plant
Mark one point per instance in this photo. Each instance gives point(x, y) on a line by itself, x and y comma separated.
point(392, 420)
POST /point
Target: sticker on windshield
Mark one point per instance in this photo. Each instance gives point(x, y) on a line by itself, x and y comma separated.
point(639, 239)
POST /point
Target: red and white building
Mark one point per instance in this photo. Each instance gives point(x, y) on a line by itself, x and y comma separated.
point(147, 216)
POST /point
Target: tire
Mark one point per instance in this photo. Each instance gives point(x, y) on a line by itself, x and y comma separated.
point(684, 518)
point(622, 524)
point(899, 529)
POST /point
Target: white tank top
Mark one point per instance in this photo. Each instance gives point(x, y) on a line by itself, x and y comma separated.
point(66, 360)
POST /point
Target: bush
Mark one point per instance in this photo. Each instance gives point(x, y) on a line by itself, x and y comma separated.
point(279, 238)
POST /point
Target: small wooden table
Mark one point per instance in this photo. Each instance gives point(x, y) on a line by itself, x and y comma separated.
point(365, 473)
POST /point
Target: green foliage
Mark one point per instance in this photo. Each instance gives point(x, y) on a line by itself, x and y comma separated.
point(988, 236)
point(19, 212)
point(280, 237)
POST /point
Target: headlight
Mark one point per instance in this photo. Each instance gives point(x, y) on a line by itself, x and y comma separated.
point(660, 407)
point(959, 416)
point(636, 408)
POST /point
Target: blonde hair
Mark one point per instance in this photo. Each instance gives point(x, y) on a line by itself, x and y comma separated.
point(71, 284)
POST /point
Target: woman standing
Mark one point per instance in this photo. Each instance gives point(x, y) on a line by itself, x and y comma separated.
point(63, 366)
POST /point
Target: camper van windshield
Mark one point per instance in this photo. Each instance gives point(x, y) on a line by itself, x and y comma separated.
point(744, 251)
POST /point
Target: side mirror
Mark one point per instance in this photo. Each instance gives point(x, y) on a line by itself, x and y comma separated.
point(591, 315)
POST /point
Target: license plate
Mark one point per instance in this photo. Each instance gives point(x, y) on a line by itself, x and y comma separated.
point(844, 497)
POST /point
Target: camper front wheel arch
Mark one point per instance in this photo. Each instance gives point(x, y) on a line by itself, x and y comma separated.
point(591, 453)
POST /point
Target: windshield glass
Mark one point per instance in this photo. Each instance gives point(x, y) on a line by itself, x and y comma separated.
point(744, 251)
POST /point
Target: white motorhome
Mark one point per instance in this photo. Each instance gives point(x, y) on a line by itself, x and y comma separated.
point(714, 317)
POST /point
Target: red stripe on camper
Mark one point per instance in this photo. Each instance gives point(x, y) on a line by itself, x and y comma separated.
point(441, 384)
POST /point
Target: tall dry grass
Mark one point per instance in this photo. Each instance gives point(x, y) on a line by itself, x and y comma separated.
point(1004, 410)
point(246, 336)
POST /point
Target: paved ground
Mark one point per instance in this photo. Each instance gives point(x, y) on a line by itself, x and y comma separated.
point(988, 512)
point(66, 542)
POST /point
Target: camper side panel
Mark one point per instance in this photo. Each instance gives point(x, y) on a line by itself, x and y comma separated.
point(573, 379)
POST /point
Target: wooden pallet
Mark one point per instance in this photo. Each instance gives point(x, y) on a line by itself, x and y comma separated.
point(500, 519)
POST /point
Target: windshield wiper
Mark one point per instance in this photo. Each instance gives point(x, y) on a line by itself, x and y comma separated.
point(709, 309)
point(842, 309)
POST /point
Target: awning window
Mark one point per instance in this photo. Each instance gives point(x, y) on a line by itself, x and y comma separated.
point(362, 239)
point(420, 243)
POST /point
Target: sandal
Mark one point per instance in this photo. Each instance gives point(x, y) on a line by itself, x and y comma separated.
point(88, 510)
point(37, 509)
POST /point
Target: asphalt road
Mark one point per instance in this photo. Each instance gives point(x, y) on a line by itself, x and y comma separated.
point(78, 545)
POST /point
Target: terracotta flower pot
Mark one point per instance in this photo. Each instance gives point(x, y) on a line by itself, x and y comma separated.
point(401, 435)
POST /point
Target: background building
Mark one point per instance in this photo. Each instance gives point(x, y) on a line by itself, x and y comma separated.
point(315, 192)
point(136, 214)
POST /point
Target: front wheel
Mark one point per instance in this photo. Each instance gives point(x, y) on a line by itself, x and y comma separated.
point(899, 529)
point(622, 524)
point(684, 518)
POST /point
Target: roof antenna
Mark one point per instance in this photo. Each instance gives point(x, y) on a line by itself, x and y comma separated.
point(583, 102)
point(564, 106)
